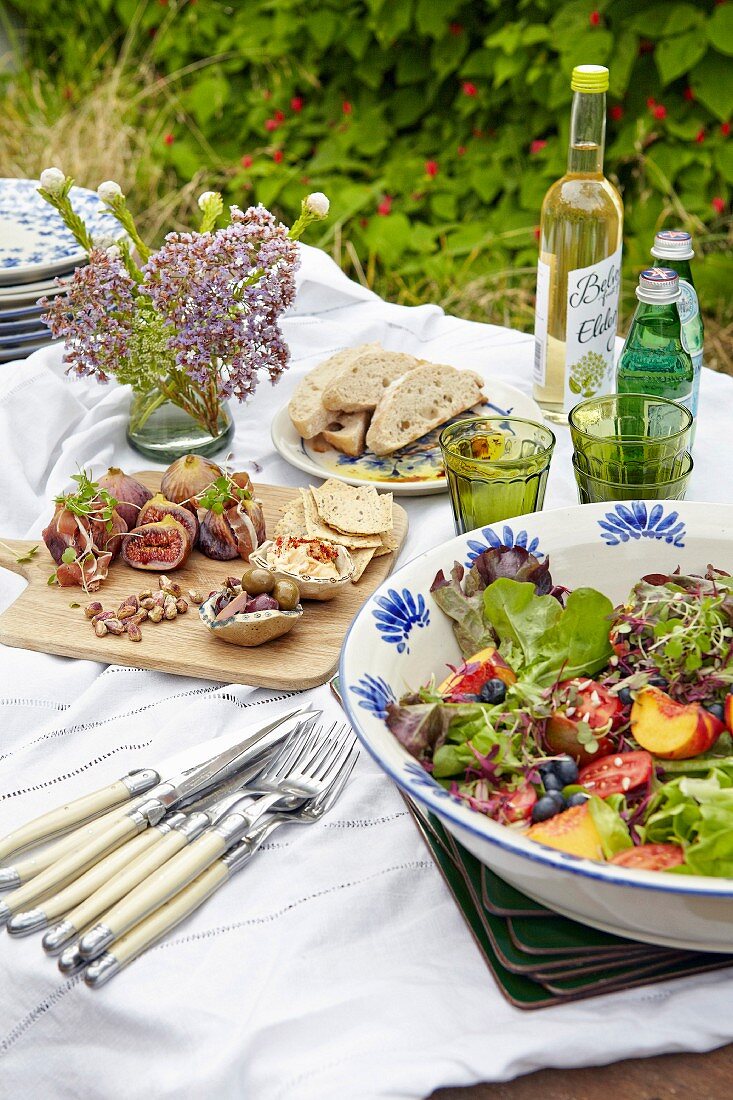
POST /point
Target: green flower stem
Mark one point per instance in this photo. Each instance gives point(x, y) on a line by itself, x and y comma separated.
point(137, 422)
point(118, 206)
point(61, 202)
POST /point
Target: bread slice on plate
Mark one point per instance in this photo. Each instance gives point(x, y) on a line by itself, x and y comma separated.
point(306, 408)
point(361, 385)
point(421, 400)
point(347, 432)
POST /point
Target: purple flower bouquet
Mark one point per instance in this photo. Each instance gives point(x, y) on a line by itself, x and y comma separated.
point(193, 324)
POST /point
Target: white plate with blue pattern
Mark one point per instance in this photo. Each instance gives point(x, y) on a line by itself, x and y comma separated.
point(34, 242)
point(415, 470)
point(400, 638)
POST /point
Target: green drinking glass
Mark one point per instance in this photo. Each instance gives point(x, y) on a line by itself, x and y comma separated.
point(643, 435)
point(594, 490)
point(496, 468)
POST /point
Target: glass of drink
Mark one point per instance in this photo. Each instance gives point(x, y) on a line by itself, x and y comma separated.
point(630, 438)
point(593, 490)
point(496, 468)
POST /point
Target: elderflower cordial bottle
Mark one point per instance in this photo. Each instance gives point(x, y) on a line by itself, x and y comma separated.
point(579, 268)
point(654, 359)
point(673, 248)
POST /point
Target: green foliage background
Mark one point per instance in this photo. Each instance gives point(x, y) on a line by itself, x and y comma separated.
point(449, 117)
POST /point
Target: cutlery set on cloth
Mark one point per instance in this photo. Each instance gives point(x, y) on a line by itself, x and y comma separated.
point(110, 873)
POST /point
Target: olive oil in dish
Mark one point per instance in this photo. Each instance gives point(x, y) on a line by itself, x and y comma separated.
point(579, 267)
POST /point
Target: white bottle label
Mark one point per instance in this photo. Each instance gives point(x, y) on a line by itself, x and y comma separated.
point(540, 323)
point(590, 334)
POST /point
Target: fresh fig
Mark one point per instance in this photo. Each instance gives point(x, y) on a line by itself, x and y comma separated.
point(243, 480)
point(235, 532)
point(188, 477)
point(129, 493)
point(62, 532)
point(163, 546)
point(216, 537)
point(158, 507)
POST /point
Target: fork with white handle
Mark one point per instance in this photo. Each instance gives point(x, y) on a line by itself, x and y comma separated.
point(306, 767)
point(187, 900)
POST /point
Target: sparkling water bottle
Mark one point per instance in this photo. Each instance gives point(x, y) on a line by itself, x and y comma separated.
point(673, 248)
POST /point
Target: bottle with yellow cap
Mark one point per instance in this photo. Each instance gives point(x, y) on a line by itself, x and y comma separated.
point(579, 268)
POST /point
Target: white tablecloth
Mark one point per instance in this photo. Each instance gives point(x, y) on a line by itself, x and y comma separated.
point(337, 965)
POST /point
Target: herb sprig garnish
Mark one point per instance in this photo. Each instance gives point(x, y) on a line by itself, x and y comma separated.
point(90, 501)
point(221, 492)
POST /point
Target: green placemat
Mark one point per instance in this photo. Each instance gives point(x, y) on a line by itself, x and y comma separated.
point(542, 959)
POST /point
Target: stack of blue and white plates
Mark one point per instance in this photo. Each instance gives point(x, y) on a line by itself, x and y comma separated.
point(36, 249)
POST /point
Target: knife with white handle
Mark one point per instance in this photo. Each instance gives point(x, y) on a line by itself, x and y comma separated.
point(55, 906)
point(27, 867)
point(124, 879)
point(176, 792)
point(66, 817)
point(175, 910)
point(173, 876)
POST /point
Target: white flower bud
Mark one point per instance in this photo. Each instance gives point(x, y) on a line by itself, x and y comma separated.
point(206, 197)
point(52, 179)
point(317, 204)
point(109, 190)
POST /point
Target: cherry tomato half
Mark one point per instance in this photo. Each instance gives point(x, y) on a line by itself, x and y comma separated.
point(595, 703)
point(591, 703)
point(617, 773)
point(518, 804)
point(650, 857)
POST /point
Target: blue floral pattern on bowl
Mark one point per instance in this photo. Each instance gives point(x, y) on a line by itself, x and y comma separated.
point(374, 695)
point(634, 521)
point(397, 614)
point(34, 236)
point(507, 538)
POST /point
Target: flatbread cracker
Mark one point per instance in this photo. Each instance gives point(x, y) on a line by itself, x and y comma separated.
point(317, 529)
point(292, 524)
point(358, 510)
point(361, 559)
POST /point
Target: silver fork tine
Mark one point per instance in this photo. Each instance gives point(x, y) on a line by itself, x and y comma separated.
point(342, 747)
point(291, 752)
point(339, 781)
point(317, 767)
point(317, 748)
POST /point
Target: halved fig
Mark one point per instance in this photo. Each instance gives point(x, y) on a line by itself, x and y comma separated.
point(129, 493)
point(163, 546)
point(188, 477)
point(158, 507)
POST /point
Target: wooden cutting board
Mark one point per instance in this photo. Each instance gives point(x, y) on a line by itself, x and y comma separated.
point(41, 618)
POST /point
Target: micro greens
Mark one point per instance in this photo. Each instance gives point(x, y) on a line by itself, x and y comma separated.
point(90, 501)
point(22, 559)
point(221, 492)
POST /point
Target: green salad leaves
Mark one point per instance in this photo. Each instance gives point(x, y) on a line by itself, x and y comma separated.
point(544, 641)
point(697, 813)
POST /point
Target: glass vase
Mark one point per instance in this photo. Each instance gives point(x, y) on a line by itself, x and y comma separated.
point(169, 432)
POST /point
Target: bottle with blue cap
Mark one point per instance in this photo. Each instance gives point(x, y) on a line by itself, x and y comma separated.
point(673, 248)
point(654, 359)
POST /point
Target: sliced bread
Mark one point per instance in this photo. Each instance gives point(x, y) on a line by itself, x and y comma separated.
point(361, 384)
point(347, 432)
point(421, 400)
point(306, 408)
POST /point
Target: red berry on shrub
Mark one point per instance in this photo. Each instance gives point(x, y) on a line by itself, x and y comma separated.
point(431, 168)
point(594, 18)
point(651, 102)
point(700, 137)
point(246, 161)
point(725, 128)
point(469, 89)
point(478, 133)
point(271, 124)
point(455, 28)
point(537, 146)
point(296, 103)
point(277, 156)
point(536, 232)
point(169, 139)
point(660, 111)
point(689, 94)
point(346, 107)
point(718, 204)
point(385, 206)
point(461, 150)
point(617, 113)
point(279, 116)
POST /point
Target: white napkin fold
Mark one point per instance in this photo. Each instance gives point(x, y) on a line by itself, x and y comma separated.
point(337, 964)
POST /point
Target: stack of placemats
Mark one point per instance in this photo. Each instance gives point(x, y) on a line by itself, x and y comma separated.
point(537, 957)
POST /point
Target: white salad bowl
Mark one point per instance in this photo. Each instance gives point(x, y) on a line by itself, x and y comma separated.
point(400, 638)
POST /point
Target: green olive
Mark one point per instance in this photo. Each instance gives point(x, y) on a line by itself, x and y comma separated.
point(257, 581)
point(287, 595)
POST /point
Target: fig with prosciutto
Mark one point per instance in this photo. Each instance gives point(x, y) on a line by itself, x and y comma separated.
point(164, 546)
point(233, 526)
point(129, 493)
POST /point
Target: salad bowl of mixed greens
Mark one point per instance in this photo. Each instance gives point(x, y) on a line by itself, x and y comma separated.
point(558, 690)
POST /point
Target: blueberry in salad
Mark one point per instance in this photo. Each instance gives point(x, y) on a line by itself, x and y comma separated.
point(598, 730)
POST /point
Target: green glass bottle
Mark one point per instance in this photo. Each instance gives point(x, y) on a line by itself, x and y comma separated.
point(654, 359)
point(674, 248)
